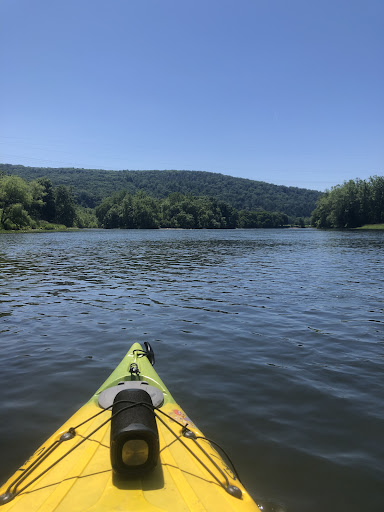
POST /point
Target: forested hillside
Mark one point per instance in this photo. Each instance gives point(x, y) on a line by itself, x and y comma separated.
point(36, 204)
point(92, 186)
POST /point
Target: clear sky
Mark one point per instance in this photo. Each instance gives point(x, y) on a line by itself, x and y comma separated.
point(285, 91)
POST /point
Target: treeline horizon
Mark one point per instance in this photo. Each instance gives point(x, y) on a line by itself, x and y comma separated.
point(39, 205)
point(91, 187)
point(353, 204)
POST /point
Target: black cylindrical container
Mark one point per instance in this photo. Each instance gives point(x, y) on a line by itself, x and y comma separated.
point(134, 434)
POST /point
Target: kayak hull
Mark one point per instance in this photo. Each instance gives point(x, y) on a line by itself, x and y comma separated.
point(75, 474)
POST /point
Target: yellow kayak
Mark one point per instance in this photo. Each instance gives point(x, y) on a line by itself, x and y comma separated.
point(130, 448)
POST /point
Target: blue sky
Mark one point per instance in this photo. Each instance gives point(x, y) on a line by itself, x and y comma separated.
point(284, 91)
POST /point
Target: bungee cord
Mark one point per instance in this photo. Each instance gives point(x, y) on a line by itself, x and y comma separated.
point(13, 489)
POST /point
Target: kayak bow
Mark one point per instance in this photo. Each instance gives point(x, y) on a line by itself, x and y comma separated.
point(129, 448)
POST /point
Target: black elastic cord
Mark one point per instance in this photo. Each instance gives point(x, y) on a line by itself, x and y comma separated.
point(224, 452)
point(194, 454)
point(33, 466)
point(58, 442)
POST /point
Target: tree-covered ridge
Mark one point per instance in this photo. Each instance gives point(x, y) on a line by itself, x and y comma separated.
point(92, 186)
point(353, 204)
point(140, 211)
point(37, 204)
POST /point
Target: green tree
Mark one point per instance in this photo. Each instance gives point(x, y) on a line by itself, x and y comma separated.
point(112, 218)
point(350, 205)
point(65, 206)
point(48, 209)
point(127, 218)
point(15, 199)
point(102, 210)
point(145, 211)
point(17, 217)
point(85, 218)
point(14, 190)
point(376, 184)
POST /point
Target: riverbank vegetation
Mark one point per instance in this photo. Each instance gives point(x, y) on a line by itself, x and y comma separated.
point(355, 203)
point(130, 211)
point(372, 226)
point(39, 205)
point(90, 187)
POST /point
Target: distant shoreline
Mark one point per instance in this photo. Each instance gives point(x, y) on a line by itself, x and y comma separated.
point(377, 227)
point(371, 226)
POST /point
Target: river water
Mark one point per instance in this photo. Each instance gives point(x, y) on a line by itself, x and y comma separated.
point(271, 340)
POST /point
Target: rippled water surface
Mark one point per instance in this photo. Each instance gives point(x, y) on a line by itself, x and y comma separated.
point(272, 340)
